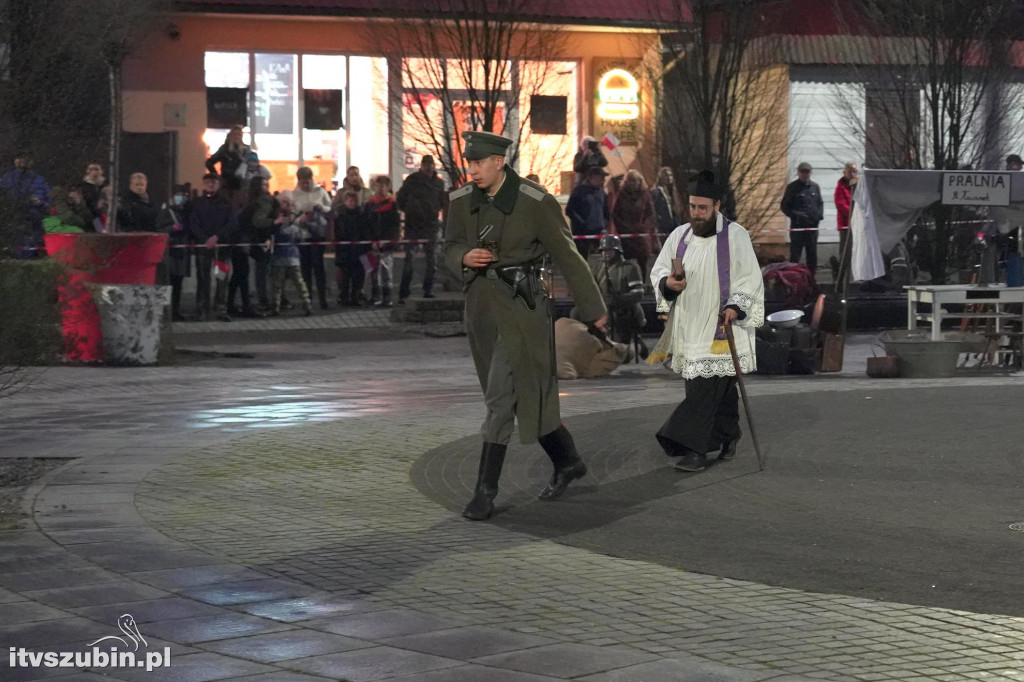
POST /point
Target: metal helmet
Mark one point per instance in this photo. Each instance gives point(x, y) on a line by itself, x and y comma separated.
point(610, 242)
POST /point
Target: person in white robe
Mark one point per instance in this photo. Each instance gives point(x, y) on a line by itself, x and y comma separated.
point(721, 284)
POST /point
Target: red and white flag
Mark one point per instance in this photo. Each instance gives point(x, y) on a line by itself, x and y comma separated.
point(221, 270)
point(610, 140)
point(369, 262)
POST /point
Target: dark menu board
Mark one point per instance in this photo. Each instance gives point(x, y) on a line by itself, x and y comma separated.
point(323, 109)
point(226, 107)
point(548, 114)
point(275, 94)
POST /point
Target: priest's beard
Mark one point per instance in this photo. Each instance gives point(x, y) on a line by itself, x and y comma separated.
point(705, 227)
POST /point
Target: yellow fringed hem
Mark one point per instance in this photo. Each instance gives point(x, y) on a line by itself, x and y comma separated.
point(656, 358)
point(719, 347)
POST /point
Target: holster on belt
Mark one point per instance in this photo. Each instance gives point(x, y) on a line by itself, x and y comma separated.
point(522, 280)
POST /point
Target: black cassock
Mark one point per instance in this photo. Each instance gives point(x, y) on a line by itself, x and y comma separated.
point(708, 417)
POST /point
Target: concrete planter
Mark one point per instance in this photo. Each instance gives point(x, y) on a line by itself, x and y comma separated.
point(124, 258)
point(919, 356)
point(130, 316)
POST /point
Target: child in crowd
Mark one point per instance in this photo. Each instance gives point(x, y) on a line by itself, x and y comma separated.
point(385, 226)
point(350, 226)
point(243, 176)
point(285, 263)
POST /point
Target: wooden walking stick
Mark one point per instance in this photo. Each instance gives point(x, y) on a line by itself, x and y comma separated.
point(743, 394)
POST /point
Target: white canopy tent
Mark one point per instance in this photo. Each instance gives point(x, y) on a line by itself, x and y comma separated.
point(887, 202)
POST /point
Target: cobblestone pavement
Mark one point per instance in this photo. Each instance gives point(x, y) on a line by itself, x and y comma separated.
point(258, 517)
point(333, 319)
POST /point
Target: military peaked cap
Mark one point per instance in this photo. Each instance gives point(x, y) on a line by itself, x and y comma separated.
point(479, 145)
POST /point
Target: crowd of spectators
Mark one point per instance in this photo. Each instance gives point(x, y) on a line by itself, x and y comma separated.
point(245, 245)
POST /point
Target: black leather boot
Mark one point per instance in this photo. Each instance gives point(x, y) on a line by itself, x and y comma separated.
point(481, 507)
point(568, 465)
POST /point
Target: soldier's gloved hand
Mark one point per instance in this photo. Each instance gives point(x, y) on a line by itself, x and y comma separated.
point(601, 324)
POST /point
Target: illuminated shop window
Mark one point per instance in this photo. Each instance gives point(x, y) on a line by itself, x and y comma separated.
point(322, 111)
point(369, 141)
point(548, 155)
point(227, 69)
point(224, 72)
point(552, 85)
point(324, 143)
point(275, 116)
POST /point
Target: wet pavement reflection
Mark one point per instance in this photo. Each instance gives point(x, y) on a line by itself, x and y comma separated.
point(70, 403)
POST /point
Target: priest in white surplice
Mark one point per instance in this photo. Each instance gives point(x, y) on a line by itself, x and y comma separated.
point(721, 282)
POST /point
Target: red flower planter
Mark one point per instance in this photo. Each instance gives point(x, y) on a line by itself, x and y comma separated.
point(128, 258)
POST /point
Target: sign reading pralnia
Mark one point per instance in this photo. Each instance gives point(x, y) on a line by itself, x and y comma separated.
point(973, 188)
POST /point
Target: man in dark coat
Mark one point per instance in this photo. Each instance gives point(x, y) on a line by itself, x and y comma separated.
point(25, 185)
point(803, 206)
point(92, 186)
point(589, 156)
point(137, 212)
point(421, 198)
point(588, 210)
point(178, 258)
point(30, 194)
point(209, 222)
point(500, 227)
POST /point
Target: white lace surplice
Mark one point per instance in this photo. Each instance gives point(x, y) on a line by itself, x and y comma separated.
point(695, 318)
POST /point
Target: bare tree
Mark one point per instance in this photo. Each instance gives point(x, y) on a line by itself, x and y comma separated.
point(121, 27)
point(50, 85)
point(60, 84)
point(60, 66)
point(474, 65)
point(723, 101)
point(941, 98)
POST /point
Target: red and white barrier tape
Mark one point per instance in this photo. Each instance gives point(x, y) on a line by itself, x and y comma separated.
point(390, 242)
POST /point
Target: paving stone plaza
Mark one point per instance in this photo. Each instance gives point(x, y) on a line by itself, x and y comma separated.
point(294, 515)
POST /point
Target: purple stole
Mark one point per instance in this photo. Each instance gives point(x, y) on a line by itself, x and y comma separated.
point(723, 274)
point(723, 259)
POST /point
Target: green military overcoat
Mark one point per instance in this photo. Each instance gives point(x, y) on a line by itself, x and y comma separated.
point(526, 223)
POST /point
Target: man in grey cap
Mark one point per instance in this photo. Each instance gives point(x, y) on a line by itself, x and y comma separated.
point(803, 206)
point(500, 228)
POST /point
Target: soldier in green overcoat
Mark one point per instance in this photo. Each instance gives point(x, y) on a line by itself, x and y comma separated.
point(500, 228)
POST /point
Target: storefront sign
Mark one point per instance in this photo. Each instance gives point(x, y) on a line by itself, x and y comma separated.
point(618, 94)
point(275, 94)
point(618, 101)
point(969, 188)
